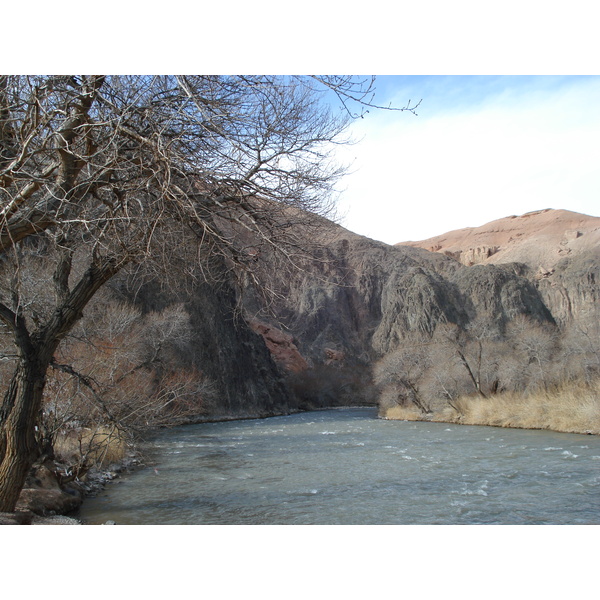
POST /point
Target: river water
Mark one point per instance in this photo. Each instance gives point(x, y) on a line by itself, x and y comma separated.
point(345, 466)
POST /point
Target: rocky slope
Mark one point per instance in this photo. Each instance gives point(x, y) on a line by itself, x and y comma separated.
point(224, 347)
point(313, 340)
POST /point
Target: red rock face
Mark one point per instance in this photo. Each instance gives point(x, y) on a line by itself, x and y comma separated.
point(281, 346)
point(538, 239)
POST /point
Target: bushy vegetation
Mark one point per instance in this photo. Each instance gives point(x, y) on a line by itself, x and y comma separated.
point(119, 372)
point(529, 374)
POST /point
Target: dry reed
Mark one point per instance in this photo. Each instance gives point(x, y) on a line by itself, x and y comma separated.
point(571, 408)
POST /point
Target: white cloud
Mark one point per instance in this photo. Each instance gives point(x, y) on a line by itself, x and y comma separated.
point(523, 148)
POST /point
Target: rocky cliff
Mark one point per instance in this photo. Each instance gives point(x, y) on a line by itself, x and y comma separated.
point(560, 248)
point(223, 346)
point(571, 290)
point(363, 297)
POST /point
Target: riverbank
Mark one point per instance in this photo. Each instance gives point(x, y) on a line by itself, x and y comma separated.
point(52, 496)
point(569, 409)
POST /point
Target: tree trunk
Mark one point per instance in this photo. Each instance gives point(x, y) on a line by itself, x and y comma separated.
point(20, 411)
point(474, 380)
point(19, 416)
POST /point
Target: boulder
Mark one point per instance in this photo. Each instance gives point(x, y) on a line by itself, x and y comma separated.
point(44, 495)
point(46, 502)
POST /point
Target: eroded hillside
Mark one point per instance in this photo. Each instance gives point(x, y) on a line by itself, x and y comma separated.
point(539, 239)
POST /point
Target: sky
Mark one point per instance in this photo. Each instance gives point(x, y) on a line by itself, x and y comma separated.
point(480, 148)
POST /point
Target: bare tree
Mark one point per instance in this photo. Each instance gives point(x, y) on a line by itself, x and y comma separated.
point(466, 350)
point(536, 347)
point(451, 362)
point(581, 351)
point(101, 172)
point(401, 372)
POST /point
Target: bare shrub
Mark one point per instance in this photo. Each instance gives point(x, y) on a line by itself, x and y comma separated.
point(400, 373)
point(581, 351)
point(120, 369)
point(536, 348)
point(530, 377)
point(85, 447)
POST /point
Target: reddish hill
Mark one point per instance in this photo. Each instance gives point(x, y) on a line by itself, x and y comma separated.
point(539, 239)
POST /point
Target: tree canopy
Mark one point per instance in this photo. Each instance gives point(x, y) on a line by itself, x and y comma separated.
point(99, 172)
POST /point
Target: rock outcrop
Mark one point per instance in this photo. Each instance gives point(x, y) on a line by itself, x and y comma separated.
point(571, 290)
point(225, 348)
point(281, 345)
point(43, 494)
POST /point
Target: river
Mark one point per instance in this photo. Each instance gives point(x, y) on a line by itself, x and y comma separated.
point(346, 466)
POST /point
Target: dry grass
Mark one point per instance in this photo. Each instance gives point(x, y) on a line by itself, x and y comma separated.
point(403, 413)
point(573, 408)
point(100, 446)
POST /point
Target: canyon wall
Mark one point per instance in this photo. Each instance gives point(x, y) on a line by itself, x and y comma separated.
point(313, 342)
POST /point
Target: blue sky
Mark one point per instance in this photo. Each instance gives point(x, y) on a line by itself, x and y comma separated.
point(481, 148)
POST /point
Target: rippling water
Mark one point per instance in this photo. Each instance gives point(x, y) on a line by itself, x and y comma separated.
point(348, 467)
